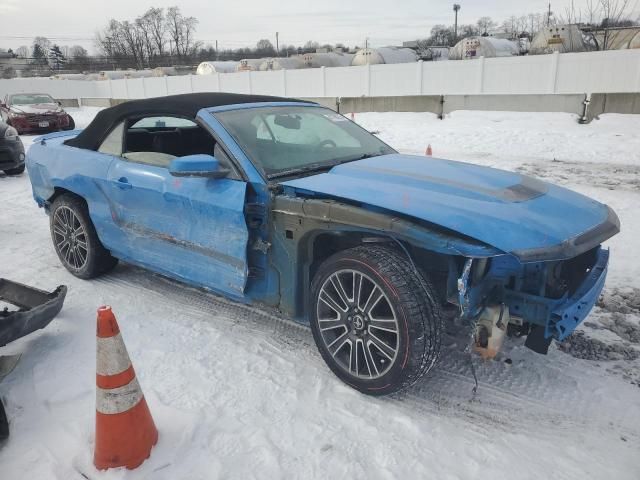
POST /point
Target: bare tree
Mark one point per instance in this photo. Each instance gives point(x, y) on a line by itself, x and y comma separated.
point(181, 30)
point(485, 24)
point(78, 51)
point(510, 26)
point(156, 23)
point(591, 11)
point(613, 14)
point(310, 46)
point(22, 51)
point(190, 45)
point(469, 30)
point(534, 22)
point(144, 32)
point(521, 25)
point(265, 48)
point(121, 40)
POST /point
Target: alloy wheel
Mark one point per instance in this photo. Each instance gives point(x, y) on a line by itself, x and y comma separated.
point(70, 237)
point(358, 324)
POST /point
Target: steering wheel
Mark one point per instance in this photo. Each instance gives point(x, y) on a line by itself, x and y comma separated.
point(326, 143)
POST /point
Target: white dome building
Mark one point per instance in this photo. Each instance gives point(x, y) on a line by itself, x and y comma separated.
point(488, 47)
point(209, 68)
point(327, 59)
point(282, 63)
point(562, 39)
point(377, 56)
point(249, 64)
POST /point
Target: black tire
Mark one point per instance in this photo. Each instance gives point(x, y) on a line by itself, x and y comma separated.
point(97, 259)
point(72, 124)
point(408, 298)
point(4, 423)
point(15, 171)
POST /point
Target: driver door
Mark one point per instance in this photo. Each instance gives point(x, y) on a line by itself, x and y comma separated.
point(191, 228)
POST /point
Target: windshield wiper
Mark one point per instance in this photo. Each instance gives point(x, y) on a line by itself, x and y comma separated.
point(359, 157)
point(306, 169)
point(324, 166)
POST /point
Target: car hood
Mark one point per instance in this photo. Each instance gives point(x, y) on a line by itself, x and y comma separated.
point(38, 108)
point(528, 218)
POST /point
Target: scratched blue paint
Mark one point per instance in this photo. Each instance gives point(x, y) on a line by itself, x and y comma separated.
point(194, 229)
point(175, 226)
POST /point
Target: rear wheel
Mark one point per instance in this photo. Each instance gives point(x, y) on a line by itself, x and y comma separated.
point(375, 319)
point(75, 239)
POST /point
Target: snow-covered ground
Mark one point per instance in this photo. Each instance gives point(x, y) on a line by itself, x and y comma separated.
point(238, 394)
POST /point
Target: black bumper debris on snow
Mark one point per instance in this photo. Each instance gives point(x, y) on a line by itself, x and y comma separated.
point(34, 309)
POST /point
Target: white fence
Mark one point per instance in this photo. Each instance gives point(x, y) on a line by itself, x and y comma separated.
point(615, 71)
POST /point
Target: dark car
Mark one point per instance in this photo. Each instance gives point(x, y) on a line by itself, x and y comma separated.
point(35, 112)
point(11, 150)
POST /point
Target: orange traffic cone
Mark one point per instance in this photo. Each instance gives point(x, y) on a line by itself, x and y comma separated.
point(429, 151)
point(125, 432)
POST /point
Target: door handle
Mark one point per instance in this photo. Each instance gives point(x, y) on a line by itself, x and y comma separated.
point(123, 183)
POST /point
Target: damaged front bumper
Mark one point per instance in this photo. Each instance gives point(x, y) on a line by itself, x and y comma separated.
point(544, 318)
point(35, 309)
point(562, 316)
point(570, 313)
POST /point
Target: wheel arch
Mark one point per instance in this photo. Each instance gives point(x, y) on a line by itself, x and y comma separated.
point(59, 191)
point(308, 231)
point(316, 246)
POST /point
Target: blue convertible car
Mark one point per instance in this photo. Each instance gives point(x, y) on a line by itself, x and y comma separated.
point(289, 205)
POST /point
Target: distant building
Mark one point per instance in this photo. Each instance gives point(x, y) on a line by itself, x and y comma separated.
point(562, 39)
point(475, 47)
point(617, 38)
point(377, 56)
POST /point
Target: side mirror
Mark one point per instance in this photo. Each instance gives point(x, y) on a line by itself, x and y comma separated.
point(197, 166)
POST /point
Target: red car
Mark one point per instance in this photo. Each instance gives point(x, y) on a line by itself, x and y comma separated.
point(34, 112)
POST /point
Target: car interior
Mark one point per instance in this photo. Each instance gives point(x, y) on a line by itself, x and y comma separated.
point(158, 140)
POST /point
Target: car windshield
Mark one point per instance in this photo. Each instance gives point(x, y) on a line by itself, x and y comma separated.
point(289, 140)
point(30, 99)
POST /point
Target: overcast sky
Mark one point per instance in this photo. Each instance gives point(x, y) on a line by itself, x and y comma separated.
point(239, 23)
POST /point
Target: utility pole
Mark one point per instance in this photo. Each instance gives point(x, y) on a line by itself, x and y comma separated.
point(277, 44)
point(456, 9)
point(549, 15)
point(217, 54)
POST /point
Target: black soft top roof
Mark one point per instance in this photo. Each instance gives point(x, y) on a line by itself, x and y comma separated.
point(187, 106)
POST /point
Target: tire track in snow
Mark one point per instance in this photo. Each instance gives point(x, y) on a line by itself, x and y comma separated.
point(534, 389)
point(602, 175)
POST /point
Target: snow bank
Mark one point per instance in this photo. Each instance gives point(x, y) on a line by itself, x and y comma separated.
point(239, 394)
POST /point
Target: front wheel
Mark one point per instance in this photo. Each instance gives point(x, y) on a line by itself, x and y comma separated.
point(375, 319)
